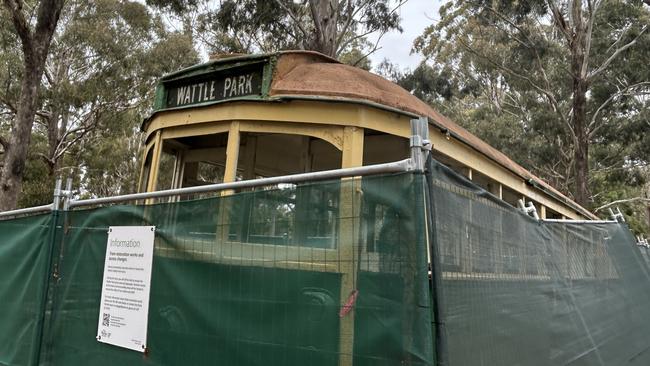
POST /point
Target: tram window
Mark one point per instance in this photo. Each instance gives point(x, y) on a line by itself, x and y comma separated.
point(166, 170)
point(304, 216)
point(203, 159)
point(379, 147)
point(209, 173)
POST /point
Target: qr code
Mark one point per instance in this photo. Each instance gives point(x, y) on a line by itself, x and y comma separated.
point(106, 319)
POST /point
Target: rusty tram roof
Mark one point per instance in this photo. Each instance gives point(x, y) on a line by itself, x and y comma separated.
point(311, 75)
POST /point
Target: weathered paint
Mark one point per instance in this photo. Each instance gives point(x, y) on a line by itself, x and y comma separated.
point(310, 117)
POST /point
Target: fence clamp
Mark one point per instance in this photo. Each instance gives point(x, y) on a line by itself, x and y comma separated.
point(616, 216)
point(529, 209)
point(419, 143)
point(67, 194)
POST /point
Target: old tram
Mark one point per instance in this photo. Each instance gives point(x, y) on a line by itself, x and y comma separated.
point(245, 117)
point(248, 117)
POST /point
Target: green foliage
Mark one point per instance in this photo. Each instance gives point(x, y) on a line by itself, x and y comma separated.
point(107, 55)
point(100, 77)
point(356, 54)
point(110, 162)
point(38, 185)
point(336, 28)
point(174, 6)
point(248, 26)
point(502, 70)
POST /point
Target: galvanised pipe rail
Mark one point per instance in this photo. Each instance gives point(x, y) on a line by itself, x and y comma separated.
point(27, 211)
point(569, 221)
point(395, 167)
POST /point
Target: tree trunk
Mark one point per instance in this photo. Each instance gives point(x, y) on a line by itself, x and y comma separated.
point(16, 154)
point(35, 46)
point(581, 155)
point(325, 16)
point(579, 105)
point(579, 123)
point(52, 141)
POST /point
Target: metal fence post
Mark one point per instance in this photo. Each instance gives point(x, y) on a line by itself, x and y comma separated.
point(40, 330)
point(67, 194)
point(56, 203)
point(419, 143)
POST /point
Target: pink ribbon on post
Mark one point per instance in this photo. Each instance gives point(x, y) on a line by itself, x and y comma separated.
point(349, 304)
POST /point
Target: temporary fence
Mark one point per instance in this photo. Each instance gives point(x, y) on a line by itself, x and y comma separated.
point(24, 245)
point(513, 290)
point(402, 268)
point(319, 273)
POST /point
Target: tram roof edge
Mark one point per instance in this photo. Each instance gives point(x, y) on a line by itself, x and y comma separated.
point(309, 75)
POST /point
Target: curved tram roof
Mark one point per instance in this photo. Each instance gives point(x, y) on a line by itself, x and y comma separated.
point(313, 76)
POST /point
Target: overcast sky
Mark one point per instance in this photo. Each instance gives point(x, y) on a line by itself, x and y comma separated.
point(396, 47)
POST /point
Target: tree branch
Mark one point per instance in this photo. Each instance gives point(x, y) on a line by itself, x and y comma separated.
point(347, 42)
point(616, 54)
point(529, 44)
point(44, 114)
point(63, 149)
point(48, 14)
point(624, 91)
point(340, 44)
point(541, 90)
point(593, 9)
point(46, 158)
point(292, 16)
point(15, 8)
point(4, 143)
point(559, 20)
point(627, 200)
point(348, 22)
point(374, 49)
point(8, 104)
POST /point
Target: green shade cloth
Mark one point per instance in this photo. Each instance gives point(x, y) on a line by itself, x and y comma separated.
point(517, 291)
point(334, 273)
point(255, 278)
point(24, 247)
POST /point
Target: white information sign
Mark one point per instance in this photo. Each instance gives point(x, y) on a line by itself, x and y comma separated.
point(124, 307)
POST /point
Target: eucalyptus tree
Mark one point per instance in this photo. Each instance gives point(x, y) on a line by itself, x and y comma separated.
point(96, 88)
point(550, 80)
point(105, 62)
point(335, 28)
point(34, 37)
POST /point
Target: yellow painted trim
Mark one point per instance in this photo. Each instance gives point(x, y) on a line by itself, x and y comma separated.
point(232, 154)
point(350, 201)
point(142, 186)
point(352, 147)
point(329, 133)
point(196, 130)
point(306, 113)
point(155, 163)
point(477, 162)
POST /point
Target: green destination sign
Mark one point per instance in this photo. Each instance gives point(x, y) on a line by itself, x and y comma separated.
point(215, 87)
